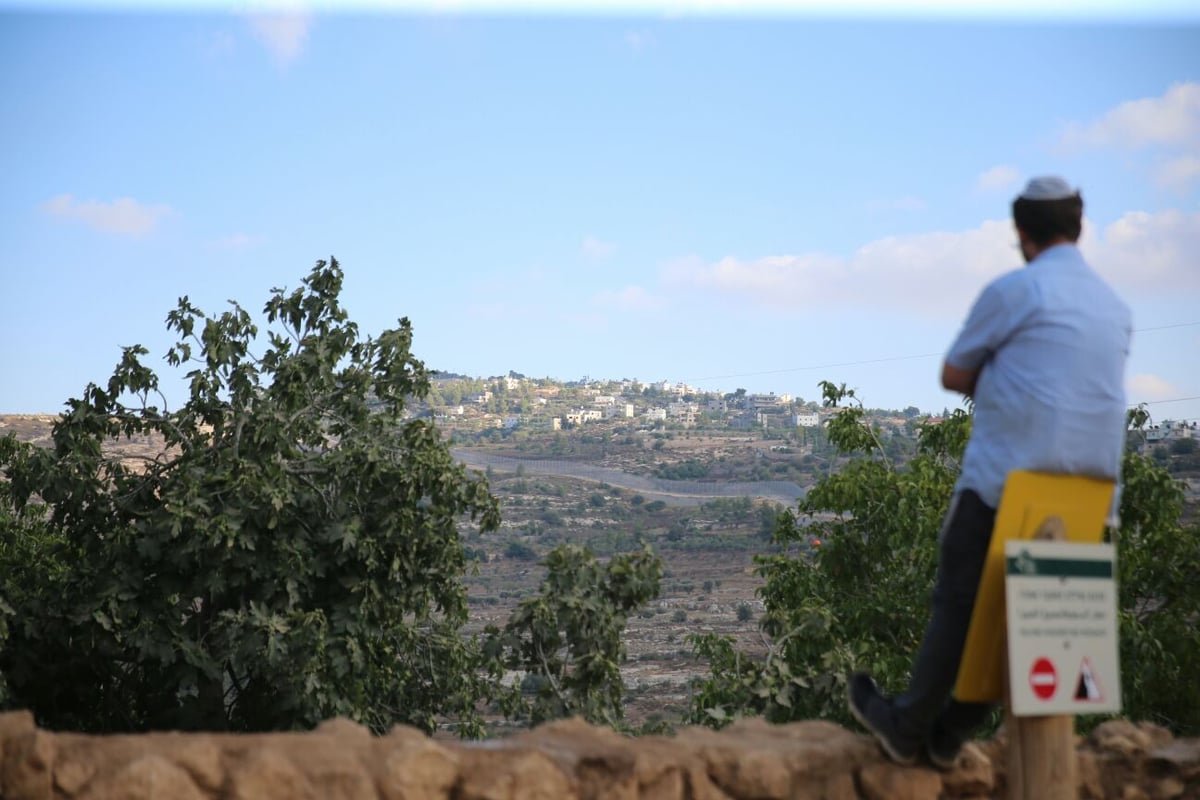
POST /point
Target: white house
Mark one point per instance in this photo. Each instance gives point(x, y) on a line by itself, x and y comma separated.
point(618, 411)
point(809, 419)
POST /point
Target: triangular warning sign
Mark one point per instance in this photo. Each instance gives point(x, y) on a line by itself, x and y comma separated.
point(1088, 688)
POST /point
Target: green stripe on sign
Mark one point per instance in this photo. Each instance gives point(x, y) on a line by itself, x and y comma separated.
point(1025, 564)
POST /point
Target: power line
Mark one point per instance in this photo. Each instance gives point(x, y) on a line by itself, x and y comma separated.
point(1165, 327)
point(1172, 400)
point(818, 366)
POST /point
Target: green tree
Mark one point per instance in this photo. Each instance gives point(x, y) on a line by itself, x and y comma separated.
point(570, 635)
point(1158, 563)
point(860, 601)
point(291, 554)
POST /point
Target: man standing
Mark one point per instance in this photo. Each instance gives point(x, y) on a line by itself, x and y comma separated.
point(1042, 354)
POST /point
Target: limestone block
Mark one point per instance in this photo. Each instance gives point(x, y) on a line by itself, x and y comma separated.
point(343, 727)
point(512, 775)
point(417, 769)
point(602, 762)
point(885, 781)
point(1132, 791)
point(265, 774)
point(149, 777)
point(1128, 738)
point(1180, 757)
point(1167, 789)
point(28, 764)
point(80, 758)
point(836, 787)
point(972, 774)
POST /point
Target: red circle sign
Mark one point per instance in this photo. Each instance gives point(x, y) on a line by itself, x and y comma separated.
point(1043, 679)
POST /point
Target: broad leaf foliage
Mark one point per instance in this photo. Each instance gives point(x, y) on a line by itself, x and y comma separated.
point(861, 599)
point(291, 554)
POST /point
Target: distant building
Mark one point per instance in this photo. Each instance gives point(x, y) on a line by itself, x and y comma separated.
point(684, 413)
point(809, 419)
point(1169, 430)
point(618, 411)
point(758, 402)
point(656, 414)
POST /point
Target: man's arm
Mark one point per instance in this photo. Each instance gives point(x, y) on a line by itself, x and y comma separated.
point(959, 380)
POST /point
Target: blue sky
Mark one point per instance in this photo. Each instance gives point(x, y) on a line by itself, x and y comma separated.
point(729, 200)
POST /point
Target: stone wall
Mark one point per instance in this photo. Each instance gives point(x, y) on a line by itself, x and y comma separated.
point(566, 760)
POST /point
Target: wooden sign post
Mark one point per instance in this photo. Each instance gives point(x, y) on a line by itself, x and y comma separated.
point(1036, 651)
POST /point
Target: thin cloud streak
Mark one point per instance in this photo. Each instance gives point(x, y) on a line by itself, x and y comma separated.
point(123, 216)
point(595, 248)
point(283, 34)
point(998, 178)
point(1147, 387)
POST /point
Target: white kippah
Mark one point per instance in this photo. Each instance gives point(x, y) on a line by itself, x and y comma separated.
point(1049, 187)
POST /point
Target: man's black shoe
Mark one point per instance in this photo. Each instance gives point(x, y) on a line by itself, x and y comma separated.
point(943, 748)
point(874, 711)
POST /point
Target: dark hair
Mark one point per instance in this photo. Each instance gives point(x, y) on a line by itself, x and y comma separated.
point(1043, 221)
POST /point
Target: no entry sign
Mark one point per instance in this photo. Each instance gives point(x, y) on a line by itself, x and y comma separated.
point(1043, 679)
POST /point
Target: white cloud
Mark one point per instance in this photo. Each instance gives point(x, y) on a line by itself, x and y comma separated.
point(1148, 252)
point(238, 241)
point(1179, 174)
point(1144, 388)
point(594, 248)
point(934, 274)
point(937, 275)
point(637, 40)
point(997, 179)
point(124, 215)
point(284, 34)
point(1172, 119)
point(631, 298)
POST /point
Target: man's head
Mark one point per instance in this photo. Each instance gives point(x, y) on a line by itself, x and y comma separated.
point(1047, 213)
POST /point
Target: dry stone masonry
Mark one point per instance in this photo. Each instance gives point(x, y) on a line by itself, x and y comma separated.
point(567, 760)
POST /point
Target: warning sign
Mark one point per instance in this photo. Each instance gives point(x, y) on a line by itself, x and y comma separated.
point(1062, 628)
point(1088, 689)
